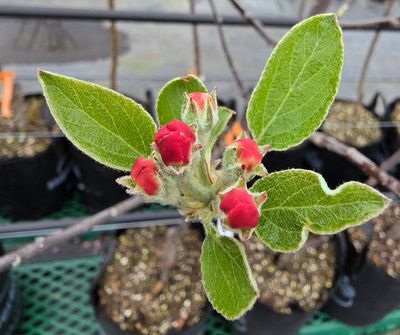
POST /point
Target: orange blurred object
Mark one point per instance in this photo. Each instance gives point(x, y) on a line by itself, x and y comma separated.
point(7, 78)
point(235, 131)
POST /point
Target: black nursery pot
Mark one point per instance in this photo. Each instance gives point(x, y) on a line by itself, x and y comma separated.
point(365, 292)
point(293, 158)
point(36, 186)
point(337, 169)
point(97, 182)
point(392, 137)
point(262, 320)
point(33, 187)
point(107, 325)
point(10, 302)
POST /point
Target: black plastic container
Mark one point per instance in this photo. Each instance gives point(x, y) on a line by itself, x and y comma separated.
point(365, 292)
point(36, 186)
point(97, 182)
point(296, 157)
point(10, 302)
point(107, 325)
point(336, 169)
point(392, 136)
point(262, 320)
point(32, 187)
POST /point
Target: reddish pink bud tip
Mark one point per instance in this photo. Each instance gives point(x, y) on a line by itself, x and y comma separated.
point(240, 209)
point(248, 153)
point(175, 141)
point(200, 98)
point(144, 174)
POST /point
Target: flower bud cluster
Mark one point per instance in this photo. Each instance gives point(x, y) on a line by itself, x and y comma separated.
point(179, 174)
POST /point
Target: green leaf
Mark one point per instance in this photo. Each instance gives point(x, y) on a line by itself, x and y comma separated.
point(227, 277)
point(105, 125)
point(300, 201)
point(224, 115)
point(298, 84)
point(171, 98)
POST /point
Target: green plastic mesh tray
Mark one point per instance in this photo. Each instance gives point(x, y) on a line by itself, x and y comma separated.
point(57, 302)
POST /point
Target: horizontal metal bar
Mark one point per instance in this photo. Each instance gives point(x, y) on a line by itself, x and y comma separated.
point(131, 220)
point(98, 229)
point(44, 13)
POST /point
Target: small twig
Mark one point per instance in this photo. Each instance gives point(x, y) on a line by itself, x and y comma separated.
point(375, 23)
point(114, 49)
point(196, 42)
point(256, 23)
point(300, 11)
point(386, 165)
point(357, 158)
point(370, 52)
point(41, 244)
point(344, 7)
point(168, 254)
point(320, 6)
point(218, 21)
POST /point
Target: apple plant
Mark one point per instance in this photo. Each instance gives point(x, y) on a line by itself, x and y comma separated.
point(172, 165)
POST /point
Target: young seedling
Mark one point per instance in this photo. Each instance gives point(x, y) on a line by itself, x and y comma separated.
point(172, 165)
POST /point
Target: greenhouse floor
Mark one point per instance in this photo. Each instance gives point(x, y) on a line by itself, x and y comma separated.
point(56, 294)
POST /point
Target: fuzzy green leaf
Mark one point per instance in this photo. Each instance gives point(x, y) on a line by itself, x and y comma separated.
point(110, 128)
point(224, 115)
point(227, 277)
point(298, 84)
point(172, 95)
point(300, 201)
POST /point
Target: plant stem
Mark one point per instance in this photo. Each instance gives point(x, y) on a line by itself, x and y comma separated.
point(258, 26)
point(357, 158)
point(209, 227)
point(114, 49)
point(370, 52)
point(386, 165)
point(41, 244)
point(320, 6)
point(218, 21)
point(196, 42)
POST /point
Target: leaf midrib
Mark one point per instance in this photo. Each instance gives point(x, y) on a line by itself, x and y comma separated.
point(94, 121)
point(274, 116)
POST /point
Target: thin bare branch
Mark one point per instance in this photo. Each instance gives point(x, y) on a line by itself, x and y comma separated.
point(357, 158)
point(386, 165)
point(320, 6)
point(370, 52)
point(41, 244)
point(218, 20)
point(256, 23)
point(300, 10)
point(344, 7)
point(376, 23)
point(114, 49)
point(196, 42)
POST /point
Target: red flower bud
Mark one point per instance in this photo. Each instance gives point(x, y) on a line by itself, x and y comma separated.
point(248, 153)
point(144, 173)
point(240, 209)
point(201, 98)
point(175, 141)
